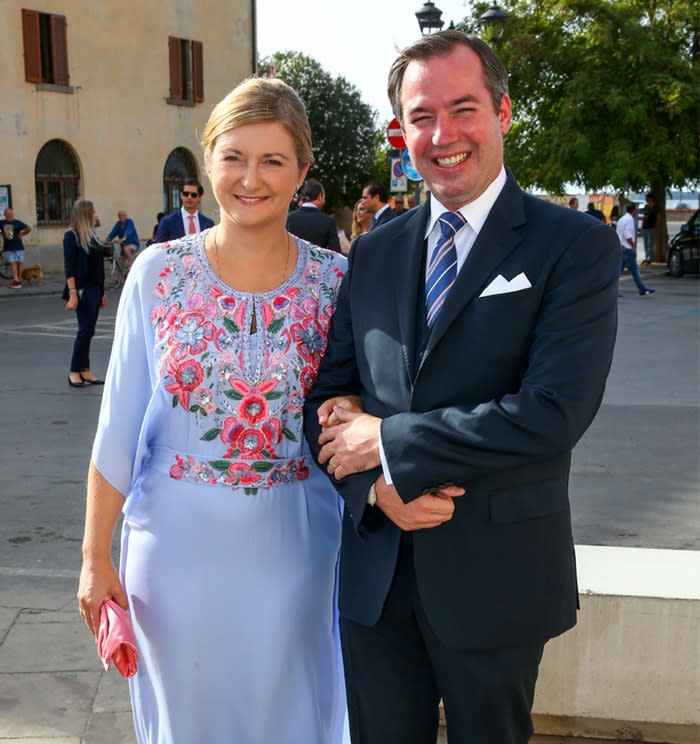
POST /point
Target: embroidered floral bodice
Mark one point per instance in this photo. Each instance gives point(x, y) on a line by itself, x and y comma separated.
point(242, 391)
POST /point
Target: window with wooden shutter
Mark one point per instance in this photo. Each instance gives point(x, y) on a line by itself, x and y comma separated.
point(45, 50)
point(186, 64)
point(175, 60)
point(32, 46)
point(198, 71)
point(59, 50)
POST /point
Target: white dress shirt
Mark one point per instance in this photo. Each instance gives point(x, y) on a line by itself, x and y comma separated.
point(475, 213)
point(186, 220)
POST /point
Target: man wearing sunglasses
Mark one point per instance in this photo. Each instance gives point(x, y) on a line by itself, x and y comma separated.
point(188, 218)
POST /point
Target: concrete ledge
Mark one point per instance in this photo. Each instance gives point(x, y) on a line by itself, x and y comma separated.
point(630, 669)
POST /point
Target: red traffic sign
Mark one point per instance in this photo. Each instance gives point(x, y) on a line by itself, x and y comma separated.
point(394, 135)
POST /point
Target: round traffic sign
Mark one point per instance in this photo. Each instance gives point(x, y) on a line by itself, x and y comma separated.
point(394, 135)
point(408, 168)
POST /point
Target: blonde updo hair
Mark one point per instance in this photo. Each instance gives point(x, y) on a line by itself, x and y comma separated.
point(257, 100)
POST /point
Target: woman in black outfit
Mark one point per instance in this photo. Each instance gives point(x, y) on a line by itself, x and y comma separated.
point(83, 258)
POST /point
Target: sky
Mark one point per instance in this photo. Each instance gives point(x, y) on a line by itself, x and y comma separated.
point(357, 40)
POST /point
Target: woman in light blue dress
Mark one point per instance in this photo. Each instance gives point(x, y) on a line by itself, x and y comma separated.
point(231, 534)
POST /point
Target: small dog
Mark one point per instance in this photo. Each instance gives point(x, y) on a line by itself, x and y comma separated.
point(33, 272)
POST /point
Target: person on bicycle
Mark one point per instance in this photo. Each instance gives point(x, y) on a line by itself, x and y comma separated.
point(125, 230)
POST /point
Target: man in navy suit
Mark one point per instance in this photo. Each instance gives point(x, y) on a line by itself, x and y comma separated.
point(477, 331)
point(375, 197)
point(187, 219)
point(308, 221)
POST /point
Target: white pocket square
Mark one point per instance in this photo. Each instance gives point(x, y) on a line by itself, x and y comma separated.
point(500, 285)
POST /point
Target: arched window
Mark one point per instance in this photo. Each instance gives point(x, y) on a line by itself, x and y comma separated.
point(57, 179)
point(179, 166)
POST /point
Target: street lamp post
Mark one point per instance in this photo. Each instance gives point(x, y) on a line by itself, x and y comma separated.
point(429, 18)
point(494, 21)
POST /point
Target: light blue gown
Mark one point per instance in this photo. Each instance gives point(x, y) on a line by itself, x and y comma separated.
point(231, 534)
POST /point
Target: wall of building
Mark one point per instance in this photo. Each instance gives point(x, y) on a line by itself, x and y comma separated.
point(116, 119)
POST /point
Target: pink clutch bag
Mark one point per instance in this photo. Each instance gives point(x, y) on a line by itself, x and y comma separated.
point(115, 639)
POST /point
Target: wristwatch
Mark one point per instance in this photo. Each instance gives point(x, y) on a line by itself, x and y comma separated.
point(372, 496)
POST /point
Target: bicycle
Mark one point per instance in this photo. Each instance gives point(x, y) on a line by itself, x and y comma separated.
point(5, 268)
point(116, 269)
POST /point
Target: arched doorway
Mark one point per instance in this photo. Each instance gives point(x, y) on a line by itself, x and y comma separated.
point(179, 166)
point(57, 182)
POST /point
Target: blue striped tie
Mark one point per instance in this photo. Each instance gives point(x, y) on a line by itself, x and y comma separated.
point(442, 270)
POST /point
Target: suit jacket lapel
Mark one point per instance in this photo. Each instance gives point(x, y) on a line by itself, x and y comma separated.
point(409, 271)
point(495, 241)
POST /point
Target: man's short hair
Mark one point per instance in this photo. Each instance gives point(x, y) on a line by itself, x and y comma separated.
point(311, 190)
point(440, 44)
point(573, 201)
point(193, 182)
point(631, 208)
point(377, 188)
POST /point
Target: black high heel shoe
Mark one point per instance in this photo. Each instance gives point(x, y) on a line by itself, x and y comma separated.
point(82, 382)
point(92, 382)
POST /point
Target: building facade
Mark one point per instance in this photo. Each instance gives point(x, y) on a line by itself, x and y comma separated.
point(105, 100)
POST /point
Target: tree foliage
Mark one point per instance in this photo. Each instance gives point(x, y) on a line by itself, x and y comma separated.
point(343, 127)
point(605, 92)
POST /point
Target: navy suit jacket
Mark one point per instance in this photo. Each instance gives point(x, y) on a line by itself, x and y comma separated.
point(386, 216)
point(505, 387)
point(172, 227)
point(315, 226)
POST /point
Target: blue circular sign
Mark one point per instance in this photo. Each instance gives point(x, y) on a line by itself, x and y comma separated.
point(411, 173)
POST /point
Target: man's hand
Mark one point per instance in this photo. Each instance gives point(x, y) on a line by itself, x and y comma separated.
point(352, 444)
point(428, 510)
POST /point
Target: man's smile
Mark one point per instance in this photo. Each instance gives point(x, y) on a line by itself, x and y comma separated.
point(453, 159)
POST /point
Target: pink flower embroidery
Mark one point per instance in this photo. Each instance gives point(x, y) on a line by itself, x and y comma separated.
point(243, 474)
point(272, 430)
point(310, 340)
point(253, 408)
point(188, 377)
point(190, 335)
point(307, 378)
point(178, 469)
point(249, 443)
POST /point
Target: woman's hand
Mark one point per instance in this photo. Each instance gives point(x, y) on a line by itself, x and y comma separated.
point(98, 577)
point(103, 301)
point(98, 581)
point(326, 417)
point(72, 301)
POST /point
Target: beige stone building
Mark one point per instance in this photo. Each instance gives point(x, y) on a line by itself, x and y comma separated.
point(106, 100)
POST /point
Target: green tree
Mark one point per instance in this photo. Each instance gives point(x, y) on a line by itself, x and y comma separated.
point(605, 94)
point(342, 125)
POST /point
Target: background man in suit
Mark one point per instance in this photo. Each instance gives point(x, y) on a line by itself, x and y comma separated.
point(187, 219)
point(457, 562)
point(308, 221)
point(375, 197)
